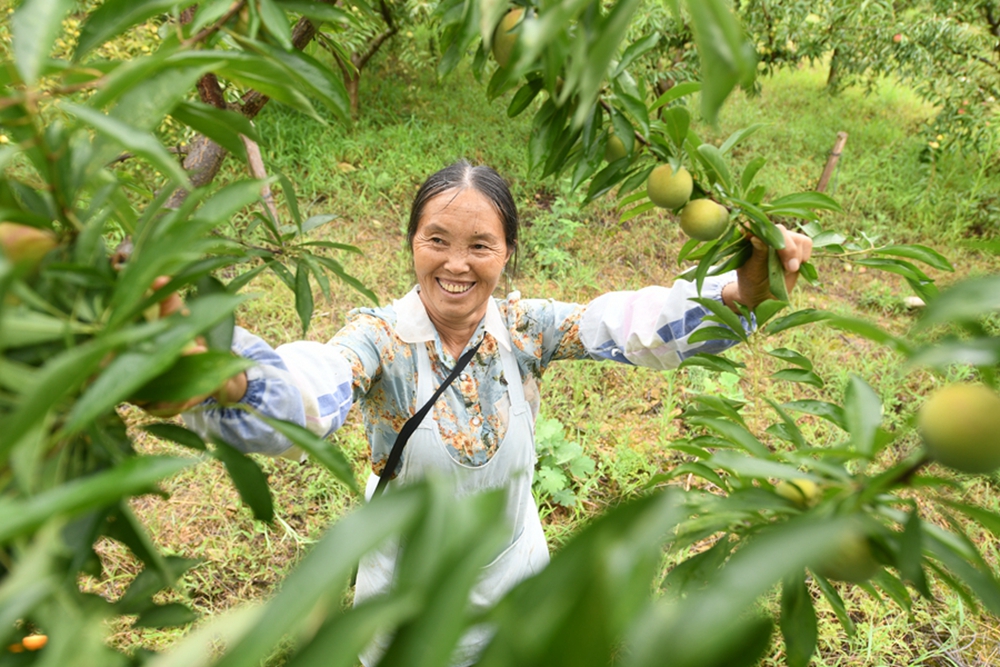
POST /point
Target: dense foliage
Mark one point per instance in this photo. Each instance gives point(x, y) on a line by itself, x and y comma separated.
point(86, 166)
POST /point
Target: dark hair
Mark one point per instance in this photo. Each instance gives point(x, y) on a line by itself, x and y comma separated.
point(486, 181)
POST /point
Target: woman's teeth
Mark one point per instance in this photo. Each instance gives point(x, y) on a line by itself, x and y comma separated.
point(454, 288)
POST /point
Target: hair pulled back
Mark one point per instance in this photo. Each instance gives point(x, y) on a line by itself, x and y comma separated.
point(486, 181)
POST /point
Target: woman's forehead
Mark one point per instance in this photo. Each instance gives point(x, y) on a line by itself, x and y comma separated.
point(466, 210)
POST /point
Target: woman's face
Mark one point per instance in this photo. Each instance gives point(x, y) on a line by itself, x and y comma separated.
point(459, 252)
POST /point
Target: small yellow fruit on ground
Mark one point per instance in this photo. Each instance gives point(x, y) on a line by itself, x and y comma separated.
point(34, 642)
point(705, 220)
point(851, 561)
point(667, 189)
point(503, 39)
point(25, 244)
point(614, 149)
point(960, 426)
point(802, 492)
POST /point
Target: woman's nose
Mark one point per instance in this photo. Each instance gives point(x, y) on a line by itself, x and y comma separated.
point(457, 262)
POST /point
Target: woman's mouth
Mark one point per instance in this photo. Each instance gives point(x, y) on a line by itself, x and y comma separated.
point(455, 288)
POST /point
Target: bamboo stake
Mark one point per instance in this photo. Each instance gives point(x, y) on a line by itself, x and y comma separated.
point(831, 162)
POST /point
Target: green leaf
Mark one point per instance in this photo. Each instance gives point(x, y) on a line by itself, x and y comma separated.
point(193, 375)
point(809, 200)
point(524, 96)
point(722, 313)
point(34, 28)
point(637, 210)
point(221, 126)
point(175, 433)
point(143, 144)
point(310, 76)
point(920, 253)
point(132, 369)
point(114, 17)
point(798, 621)
point(713, 362)
point(982, 583)
point(739, 135)
point(716, 162)
point(303, 295)
point(61, 374)
point(750, 172)
point(870, 331)
point(734, 433)
point(760, 224)
point(317, 11)
point(792, 357)
point(796, 319)
point(776, 275)
point(249, 480)
point(828, 411)
point(715, 333)
point(134, 476)
point(836, 603)
point(318, 448)
point(676, 92)
point(910, 554)
point(727, 57)
point(276, 23)
point(981, 352)
point(20, 327)
point(635, 50)
point(897, 266)
point(677, 120)
point(799, 375)
point(324, 571)
point(968, 300)
point(767, 309)
point(863, 414)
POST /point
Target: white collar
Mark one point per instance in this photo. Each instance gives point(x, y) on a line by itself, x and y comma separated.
point(413, 325)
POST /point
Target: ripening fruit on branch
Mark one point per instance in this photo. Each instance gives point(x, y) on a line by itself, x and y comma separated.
point(802, 492)
point(614, 149)
point(960, 427)
point(704, 219)
point(503, 39)
point(667, 189)
point(34, 642)
point(852, 561)
point(22, 244)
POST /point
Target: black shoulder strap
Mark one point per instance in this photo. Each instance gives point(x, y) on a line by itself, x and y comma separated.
point(413, 422)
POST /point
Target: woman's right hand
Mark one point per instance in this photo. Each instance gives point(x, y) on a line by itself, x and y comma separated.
point(231, 391)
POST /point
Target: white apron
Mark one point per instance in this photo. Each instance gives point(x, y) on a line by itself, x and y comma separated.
point(511, 467)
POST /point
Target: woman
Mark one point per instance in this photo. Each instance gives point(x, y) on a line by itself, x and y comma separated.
point(463, 234)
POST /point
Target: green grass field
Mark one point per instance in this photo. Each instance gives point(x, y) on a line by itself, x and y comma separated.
point(624, 418)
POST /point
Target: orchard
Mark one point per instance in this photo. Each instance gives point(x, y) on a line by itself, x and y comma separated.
point(144, 139)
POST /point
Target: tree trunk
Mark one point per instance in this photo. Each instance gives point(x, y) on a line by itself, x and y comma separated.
point(833, 77)
point(205, 157)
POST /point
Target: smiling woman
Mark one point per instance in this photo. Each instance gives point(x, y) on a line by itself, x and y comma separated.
point(480, 431)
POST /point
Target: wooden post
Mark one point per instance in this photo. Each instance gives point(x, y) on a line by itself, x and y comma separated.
point(831, 163)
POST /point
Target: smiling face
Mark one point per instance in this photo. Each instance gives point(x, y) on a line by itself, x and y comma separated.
point(459, 253)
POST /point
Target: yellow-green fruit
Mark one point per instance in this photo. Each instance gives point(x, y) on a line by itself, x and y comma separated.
point(851, 561)
point(667, 189)
point(960, 426)
point(705, 220)
point(802, 492)
point(22, 244)
point(504, 39)
point(614, 149)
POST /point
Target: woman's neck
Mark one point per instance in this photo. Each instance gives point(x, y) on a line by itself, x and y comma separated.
point(454, 339)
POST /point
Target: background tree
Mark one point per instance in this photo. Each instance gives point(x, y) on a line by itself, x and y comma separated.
point(78, 337)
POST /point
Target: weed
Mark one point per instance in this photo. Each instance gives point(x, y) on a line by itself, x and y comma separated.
point(562, 464)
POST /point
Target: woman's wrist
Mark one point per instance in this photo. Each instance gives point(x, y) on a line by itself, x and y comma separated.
point(233, 391)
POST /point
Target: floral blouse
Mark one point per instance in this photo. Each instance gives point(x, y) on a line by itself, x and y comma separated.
point(371, 362)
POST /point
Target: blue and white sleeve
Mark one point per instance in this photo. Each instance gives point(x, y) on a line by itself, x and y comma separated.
point(305, 382)
point(650, 327)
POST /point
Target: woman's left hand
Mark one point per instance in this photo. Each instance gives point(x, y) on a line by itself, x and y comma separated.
point(752, 284)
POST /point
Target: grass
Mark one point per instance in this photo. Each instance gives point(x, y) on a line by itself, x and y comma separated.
point(625, 418)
